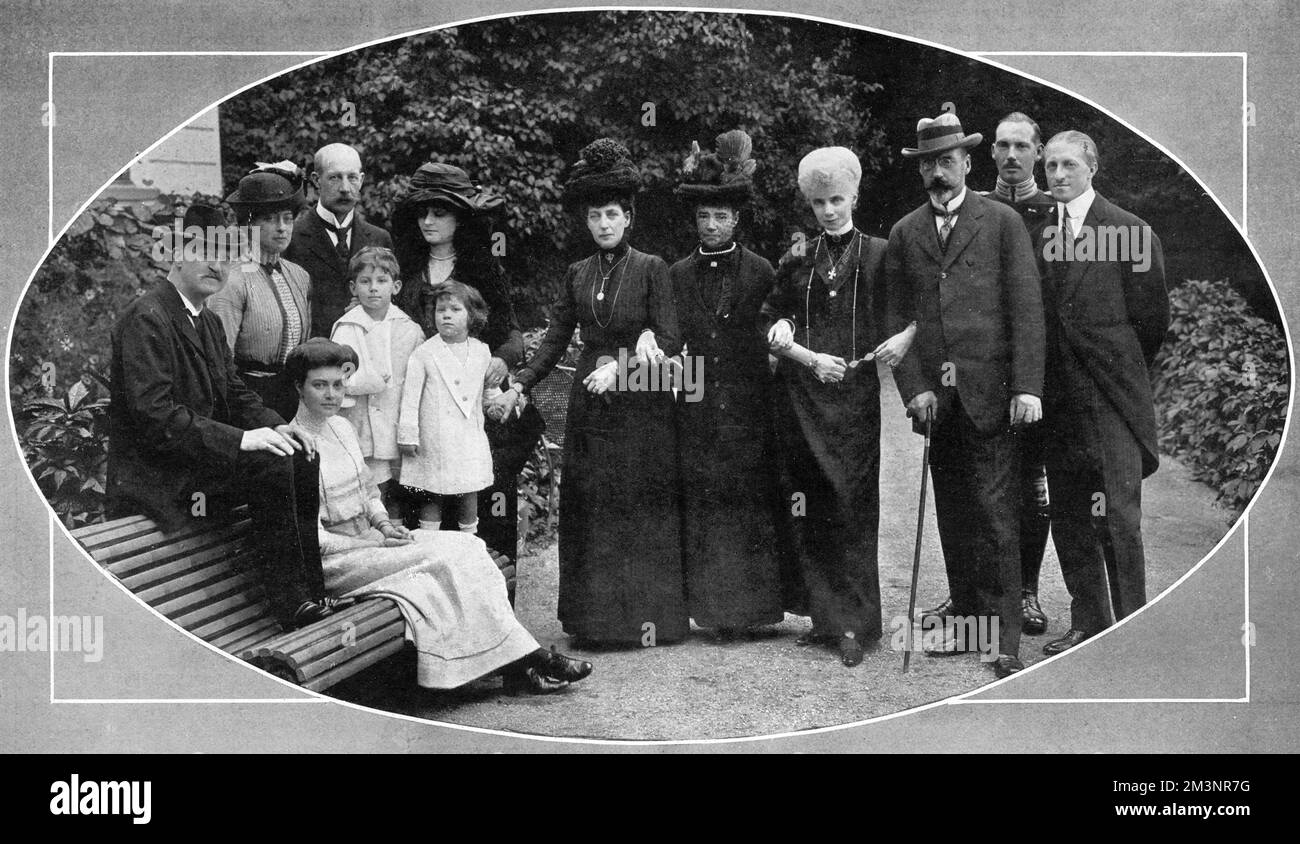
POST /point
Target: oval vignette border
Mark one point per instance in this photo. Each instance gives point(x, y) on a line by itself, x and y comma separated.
point(303, 694)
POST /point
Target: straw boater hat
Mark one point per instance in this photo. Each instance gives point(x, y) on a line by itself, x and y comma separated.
point(724, 177)
point(604, 169)
point(834, 167)
point(940, 134)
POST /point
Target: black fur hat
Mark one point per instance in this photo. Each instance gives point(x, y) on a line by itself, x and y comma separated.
point(604, 170)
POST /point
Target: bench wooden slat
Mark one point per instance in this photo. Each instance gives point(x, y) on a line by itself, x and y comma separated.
point(205, 578)
point(179, 578)
point(326, 662)
point(359, 663)
point(307, 652)
point(248, 635)
point(357, 614)
point(238, 609)
point(210, 600)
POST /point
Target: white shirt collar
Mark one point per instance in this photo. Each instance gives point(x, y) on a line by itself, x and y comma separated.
point(190, 308)
point(328, 216)
point(843, 230)
point(955, 203)
point(1078, 207)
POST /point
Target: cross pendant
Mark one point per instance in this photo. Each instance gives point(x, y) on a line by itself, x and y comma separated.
point(831, 274)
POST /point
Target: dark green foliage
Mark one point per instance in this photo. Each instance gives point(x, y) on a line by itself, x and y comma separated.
point(1222, 390)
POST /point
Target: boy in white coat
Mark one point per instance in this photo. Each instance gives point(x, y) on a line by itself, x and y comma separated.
point(384, 338)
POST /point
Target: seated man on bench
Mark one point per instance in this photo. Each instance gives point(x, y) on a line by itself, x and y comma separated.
point(187, 437)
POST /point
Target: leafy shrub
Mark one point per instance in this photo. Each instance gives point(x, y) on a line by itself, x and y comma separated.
point(1222, 389)
point(64, 442)
point(539, 483)
point(513, 101)
point(61, 345)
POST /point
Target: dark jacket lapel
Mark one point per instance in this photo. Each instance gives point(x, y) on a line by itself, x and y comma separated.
point(969, 222)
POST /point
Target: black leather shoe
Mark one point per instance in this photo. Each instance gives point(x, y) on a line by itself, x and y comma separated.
point(531, 681)
point(811, 638)
point(310, 612)
point(1071, 638)
point(1005, 666)
point(941, 611)
point(566, 669)
point(850, 651)
point(1033, 619)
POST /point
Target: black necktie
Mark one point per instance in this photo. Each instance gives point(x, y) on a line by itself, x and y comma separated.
point(341, 232)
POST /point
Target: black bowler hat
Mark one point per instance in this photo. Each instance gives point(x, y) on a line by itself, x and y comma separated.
point(207, 224)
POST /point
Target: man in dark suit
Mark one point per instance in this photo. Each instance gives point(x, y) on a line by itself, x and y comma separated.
point(1107, 313)
point(187, 438)
point(962, 266)
point(326, 236)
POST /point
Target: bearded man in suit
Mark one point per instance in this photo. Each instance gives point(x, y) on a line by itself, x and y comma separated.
point(326, 236)
point(962, 267)
point(1107, 313)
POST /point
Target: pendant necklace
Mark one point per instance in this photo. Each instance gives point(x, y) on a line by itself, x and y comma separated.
point(853, 311)
point(600, 297)
point(604, 277)
point(835, 268)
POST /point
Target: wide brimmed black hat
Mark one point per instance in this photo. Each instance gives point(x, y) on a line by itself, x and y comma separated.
point(604, 169)
point(270, 187)
point(445, 184)
point(724, 176)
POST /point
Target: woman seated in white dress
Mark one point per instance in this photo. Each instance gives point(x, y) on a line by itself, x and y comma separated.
point(450, 592)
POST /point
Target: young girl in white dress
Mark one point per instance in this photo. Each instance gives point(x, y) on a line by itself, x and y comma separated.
point(445, 450)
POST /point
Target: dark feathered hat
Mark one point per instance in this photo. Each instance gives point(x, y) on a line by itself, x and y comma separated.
point(604, 169)
point(269, 188)
point(724, 176)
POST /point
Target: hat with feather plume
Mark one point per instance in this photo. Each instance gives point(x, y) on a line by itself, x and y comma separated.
point(724, 176)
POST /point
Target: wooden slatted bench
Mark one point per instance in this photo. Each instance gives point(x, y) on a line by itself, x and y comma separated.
point(204, 578)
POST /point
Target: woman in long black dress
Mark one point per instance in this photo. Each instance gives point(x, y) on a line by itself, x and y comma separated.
point(620, 555)
point(827, 312)
point(442, 228)
point(730, 494)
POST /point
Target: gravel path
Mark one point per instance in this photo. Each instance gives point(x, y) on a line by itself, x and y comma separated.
point(702, 688)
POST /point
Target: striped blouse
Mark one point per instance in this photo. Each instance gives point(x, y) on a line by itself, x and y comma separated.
point(262, 324)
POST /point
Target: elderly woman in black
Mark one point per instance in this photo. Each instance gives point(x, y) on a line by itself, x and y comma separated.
point(265, 308)
point(620, 556)
point(827, 321)
point(442, 228)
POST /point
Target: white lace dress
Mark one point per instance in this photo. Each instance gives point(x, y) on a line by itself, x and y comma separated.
point(447, 587)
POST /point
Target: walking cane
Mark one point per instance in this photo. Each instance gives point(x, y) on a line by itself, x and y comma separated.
point(920, 528)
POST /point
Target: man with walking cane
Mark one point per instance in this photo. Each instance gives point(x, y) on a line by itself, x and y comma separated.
point(962, 267)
